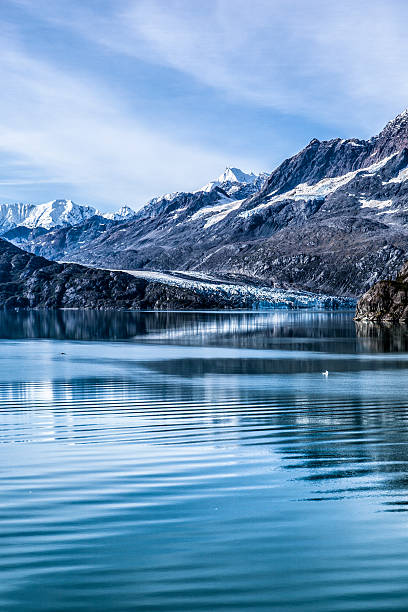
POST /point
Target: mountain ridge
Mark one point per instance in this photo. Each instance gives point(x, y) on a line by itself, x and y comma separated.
point(53, 214)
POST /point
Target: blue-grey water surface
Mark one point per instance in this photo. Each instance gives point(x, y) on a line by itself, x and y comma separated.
point(201, 461)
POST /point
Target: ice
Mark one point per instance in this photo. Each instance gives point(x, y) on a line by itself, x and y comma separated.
point(257, 296)
point(218, 212)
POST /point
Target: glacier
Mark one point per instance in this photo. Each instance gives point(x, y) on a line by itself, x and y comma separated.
point(253, 296)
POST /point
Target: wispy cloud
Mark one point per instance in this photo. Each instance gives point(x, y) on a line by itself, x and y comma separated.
point(73, 128)
point(316, 58)
point(338, 64)
point(337, 60)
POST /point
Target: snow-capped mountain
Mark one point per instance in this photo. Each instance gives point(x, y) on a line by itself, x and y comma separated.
point(333, 218)
point(233, 183)
point(235, 177)
point(124, 213)
point(57, 213)
point(50, 215)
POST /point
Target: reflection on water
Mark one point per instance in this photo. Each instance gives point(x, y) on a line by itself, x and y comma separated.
point(382, 337)
point(202, 462)
point(321, 331)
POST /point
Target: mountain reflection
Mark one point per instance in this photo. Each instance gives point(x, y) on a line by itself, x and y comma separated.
point(299, 330)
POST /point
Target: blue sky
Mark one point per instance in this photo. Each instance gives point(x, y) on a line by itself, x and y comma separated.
point(112, 102)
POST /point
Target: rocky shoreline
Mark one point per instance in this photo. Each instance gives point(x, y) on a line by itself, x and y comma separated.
point(386, 301)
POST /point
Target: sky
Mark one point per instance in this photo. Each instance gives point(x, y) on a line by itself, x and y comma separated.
point(111, 102)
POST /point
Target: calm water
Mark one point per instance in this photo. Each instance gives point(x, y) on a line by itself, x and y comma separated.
point(200, 461)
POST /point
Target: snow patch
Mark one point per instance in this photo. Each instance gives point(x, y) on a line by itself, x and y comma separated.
point(223, 211)
point(375, 203)
point(218, 212)
point(124, 212)
point(319, 190)
point(400, 178)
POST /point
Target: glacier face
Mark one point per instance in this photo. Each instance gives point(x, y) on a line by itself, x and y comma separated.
point(253, 296)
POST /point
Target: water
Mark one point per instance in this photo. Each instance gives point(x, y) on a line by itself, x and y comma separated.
point(200, 461)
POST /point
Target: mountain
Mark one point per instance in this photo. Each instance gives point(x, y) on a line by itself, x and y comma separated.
point(57, 213)
point(332, 218)
point(235, 176)
point(20, 221)
point(13, 214)
point(60, 242)
point(29, 281)
point(122, 214)
point(63, 243)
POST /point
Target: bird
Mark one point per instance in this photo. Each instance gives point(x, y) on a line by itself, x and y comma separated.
point(325, 373)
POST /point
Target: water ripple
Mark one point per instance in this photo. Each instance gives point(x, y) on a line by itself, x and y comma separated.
point(202, 464)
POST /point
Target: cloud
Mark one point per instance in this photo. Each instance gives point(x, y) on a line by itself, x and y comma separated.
point(334, 63)
point(322, 59)
point(342, 62)
point(65, 128)
point(339, 62)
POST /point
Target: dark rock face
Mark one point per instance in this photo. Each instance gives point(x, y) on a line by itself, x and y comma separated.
point(22, 234)
point(61, 242)
point(28, 281)
point(386, 300)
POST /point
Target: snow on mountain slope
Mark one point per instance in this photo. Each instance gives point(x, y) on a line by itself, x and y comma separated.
point(380, 204)
point(319, 190)
point(54, 214)
point(13, 214)
point(214, 214)
point(58, 213)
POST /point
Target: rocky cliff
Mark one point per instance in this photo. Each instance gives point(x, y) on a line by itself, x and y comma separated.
point(387, 300)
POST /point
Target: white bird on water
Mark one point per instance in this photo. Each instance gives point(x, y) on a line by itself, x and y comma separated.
point(325, 373)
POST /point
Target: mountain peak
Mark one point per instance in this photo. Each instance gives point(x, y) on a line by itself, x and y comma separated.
point(57, 213)
point(235, 175)
point(395, 125)
point(124, 212)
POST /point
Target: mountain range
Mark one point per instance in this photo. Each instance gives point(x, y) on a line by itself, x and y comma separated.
point(331, 219)
point(57, 213)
